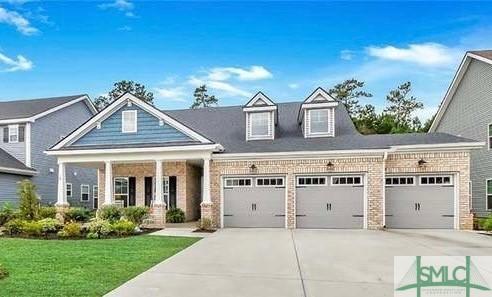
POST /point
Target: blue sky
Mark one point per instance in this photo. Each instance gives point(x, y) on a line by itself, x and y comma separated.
point(286, 49)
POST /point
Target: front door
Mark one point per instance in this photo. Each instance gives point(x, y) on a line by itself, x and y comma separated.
point(131, 191)
point(172, 192)
point(148, 190)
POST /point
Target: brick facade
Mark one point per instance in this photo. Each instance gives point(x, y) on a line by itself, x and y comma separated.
point(373, 167)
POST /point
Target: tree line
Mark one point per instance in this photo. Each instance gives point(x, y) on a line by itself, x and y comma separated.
point(396, 117)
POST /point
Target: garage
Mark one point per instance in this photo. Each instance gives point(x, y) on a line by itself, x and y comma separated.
point(254, 202)
point(421, 201)
point(330, 201)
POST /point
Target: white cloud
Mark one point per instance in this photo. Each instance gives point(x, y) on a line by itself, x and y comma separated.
point(173, 93)
point(293, 86)
point(243, 74)
point(125, 6)
point(346, 55)
point(12, 65)
point(425, 54)
point(125, 28)
point(13, 18)
point(220, 86)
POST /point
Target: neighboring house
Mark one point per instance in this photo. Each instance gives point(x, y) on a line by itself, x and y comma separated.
point(27, 129)
point(467, 111)
point(285, 165)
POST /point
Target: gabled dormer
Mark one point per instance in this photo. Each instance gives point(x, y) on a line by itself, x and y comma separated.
point(317, 114)
point(260, 117)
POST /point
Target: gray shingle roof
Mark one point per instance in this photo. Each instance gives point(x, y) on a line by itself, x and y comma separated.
point(9, 162)
point(485, 53)
point(28, 108)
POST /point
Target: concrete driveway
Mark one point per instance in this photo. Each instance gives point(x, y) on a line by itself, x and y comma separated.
point(300, 263)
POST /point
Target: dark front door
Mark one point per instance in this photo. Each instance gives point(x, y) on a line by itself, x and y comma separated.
point(148, 190)
point(172, 192)
point(131, 191)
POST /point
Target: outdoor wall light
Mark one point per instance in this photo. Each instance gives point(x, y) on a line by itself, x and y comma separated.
point(330, 165)
point(422, 162)
point(253, 168)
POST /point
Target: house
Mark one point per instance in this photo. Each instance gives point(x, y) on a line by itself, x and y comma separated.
point(466, 110)
point(27, 129)
point(266, 164)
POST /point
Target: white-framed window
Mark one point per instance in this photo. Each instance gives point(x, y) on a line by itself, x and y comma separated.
point(13, 133)
point(319, 121)
point(489, 134)
point(488, 190)
point(69, 189)
point(270, 182)
point(311, 181)
point(233, 182)
point(260, 125)
point(346, 180)
point(121, 189)
point(165, 189)
point(436, 180)
point(129, 121)
point(84, 192)
point(95, 192)
point(400, 181)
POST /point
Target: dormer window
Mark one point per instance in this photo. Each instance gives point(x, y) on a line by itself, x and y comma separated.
point(260, 118)
point(318, 121)
point(317, 115)
point(129, 121)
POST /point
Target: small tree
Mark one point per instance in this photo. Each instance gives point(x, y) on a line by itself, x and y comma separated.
point(29, 202)
point(349, 92)
point(121, 88)
point(402, 105)
point(202, 99)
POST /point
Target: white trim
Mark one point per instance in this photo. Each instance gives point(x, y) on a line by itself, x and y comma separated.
point(319, 92)
point(113, 199)
point(454, 86)
point(319, 105)
point(49, 111)
point(249, 126)
point(456, 201)
point(400, 176)
point(311, 176)
point(295, 154)
point(238, 178)
point(260, 108)
point(330, 129)
point(346, 176)
point(11, 129)
point(82, 130)
point(439, 146)
point(255, 98)
point(221, 202)
point(66, 190)
point(82, 193)
point(27, 144)
point(134, 118)
point(270, 177)
point(18, 171)
point(385, 157)
point(486, 195)
point(286, 202)
point(365, 221)
point(451, 181)
point(95, 189)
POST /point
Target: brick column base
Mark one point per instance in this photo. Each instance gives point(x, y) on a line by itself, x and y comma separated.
point(60, 212)
point(157, 218)
point(207, 213)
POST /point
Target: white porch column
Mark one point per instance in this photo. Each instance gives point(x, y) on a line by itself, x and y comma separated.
point(206, 181)
point(62, 192)
point(108, 183)
point(159, 195)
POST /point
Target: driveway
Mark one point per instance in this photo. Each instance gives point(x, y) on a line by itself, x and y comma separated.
point(300, 263)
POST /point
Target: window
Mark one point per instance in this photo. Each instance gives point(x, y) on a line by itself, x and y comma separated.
point(435, 180)
point(311, 180)
point(400, 181)
point(490, 136)
point(318, 121)
point(13, 133)
point(260, 124)
point(165, 189)
point(95, 196)
point(69, 189)
point(489, 194)
point(84, 192)
point(129, 121)
point(121, 190)
point(346, 180)
point(238, 182)
point(270, 182)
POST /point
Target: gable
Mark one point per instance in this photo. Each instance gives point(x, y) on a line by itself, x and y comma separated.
point(150, 129)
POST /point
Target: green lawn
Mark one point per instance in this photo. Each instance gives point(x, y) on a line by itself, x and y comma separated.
point(80, 267)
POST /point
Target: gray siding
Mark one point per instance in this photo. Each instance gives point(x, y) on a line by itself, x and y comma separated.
point(8, 188)
point(45, 133)
point(468, 115)
point(148, 131)
point(17, 150)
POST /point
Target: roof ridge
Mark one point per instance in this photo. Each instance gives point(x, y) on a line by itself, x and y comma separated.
point(225, 107)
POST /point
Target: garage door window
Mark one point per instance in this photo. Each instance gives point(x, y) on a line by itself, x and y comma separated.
point(435, 180)
point(311, 181)
point(400, 181)
point(270, 182)
point(346, 180)
point(238, 182)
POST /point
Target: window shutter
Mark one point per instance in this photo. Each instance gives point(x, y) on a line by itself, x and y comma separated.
point(6, 134)
point(22, 130)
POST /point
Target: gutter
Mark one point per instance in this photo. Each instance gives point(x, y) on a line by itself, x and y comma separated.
point(18, 171)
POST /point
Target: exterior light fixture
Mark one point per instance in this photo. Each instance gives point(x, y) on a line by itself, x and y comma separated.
point(253, 168)
point(330, 165)
point(422, 162)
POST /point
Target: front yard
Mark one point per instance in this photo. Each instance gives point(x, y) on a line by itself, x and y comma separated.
point(80, 267)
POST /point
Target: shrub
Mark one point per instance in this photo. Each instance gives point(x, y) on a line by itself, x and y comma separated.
point(111, 213)
point(29, 202)
point(6, 213)
point(205, 224)
point(14, 226)
point(50, 225)
point(123, 227)
point(78, 214)
point(175, 215)
point(47, 212)
point(136, 214)
point(3, 272)
point(32, 228)
point(486, 224)
point(72, 229)
point(100, 228)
